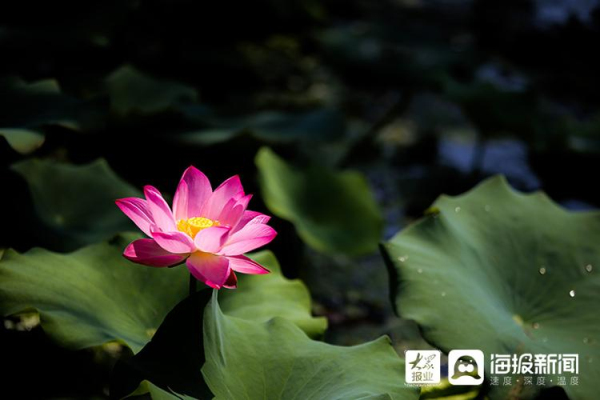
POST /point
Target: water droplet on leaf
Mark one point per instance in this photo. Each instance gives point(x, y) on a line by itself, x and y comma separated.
point(457, 209)
point(402, 258)
point(572, 293)
point(589, 268)
point(542, 270)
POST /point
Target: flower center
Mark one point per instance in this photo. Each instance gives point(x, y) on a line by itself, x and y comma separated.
point(194, 225)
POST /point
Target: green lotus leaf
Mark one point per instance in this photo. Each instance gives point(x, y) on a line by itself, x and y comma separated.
point(75, 203)
point(91, 296)
point(276, 360)
point(23, 141)
point(506, 273)
point(94, 295)
point(159, 394)
point(132, 91)
point(262, 297)
point(333, 212)
point(173, 358)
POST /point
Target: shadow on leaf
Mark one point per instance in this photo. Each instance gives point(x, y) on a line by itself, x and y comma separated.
point(172, 360)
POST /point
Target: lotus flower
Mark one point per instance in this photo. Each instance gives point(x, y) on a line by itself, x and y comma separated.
point(208, 230)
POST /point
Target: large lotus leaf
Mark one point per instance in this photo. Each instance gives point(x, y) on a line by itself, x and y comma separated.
point(91, 296)
point(276, 360)
point(174, 356)
point(262, 297)
point(333, 212)
point(94, 295)
point(132, 91)
point(503, 272)
point(23, 141)
point(76, 203)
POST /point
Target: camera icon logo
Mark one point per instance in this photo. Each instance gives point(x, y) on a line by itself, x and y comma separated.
point(465, 367)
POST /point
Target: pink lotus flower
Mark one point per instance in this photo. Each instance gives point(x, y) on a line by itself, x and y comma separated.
point(208, 230)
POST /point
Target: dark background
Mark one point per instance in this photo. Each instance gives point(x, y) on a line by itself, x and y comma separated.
point(424, 97)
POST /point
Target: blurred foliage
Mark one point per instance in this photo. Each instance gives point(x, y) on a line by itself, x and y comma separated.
point(333, 212)
point(131, 92)
point(268, 126)
point(22, 140)
point(75, 203)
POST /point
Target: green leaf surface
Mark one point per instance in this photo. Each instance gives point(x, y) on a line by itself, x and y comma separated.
point(94, 295)
point(506, 273)
point(132, 91)
point(91, 296)
point(159, 394)
point(276, 360)
point(333, 212)
point(173, 358)
point(262, 297)
point(23, 141)
point(76, 203)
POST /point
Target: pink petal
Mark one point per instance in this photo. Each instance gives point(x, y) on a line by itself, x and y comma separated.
point(231, 282)
point(234, 211)
point(192, 193)
point(148, 252)
point(137, 210)
point(161, 213)
point(231, 188)
point(251, 217)
point(247, 239)
point(226, 210)
point(246, 266)
point(209, 268)
point(174, 242)
point(211, 240)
